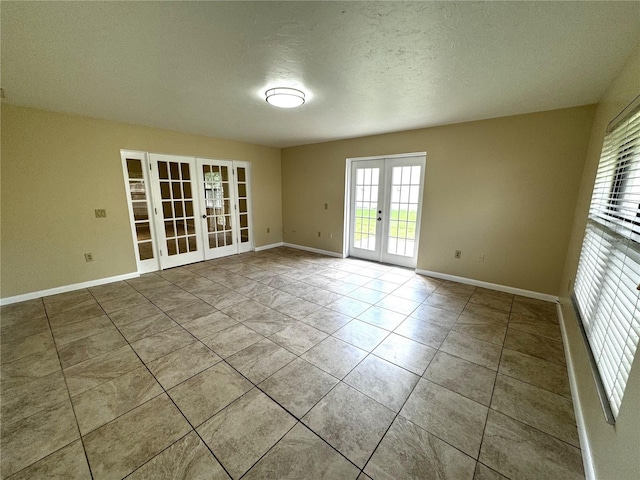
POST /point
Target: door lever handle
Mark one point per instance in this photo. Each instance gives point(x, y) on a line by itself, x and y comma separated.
point(379, 219)
point(204, 216)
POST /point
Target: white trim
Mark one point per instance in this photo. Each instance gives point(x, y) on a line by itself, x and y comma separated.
point(268, 247)
point(492, 286)
point(67, 288)
point(314, 250)
point(587, 459)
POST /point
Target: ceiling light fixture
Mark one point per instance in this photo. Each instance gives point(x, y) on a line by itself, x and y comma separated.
point(285, 97)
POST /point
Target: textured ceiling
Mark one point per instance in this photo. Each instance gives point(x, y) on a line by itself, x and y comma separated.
point(367, 68)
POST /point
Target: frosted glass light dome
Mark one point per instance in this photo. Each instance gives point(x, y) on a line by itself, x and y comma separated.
point(285, 97)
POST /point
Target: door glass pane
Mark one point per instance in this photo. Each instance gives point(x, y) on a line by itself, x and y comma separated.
point(177, 207)
point(140, 206)
point(366, 208)
point(403, 210)
point(217, 199)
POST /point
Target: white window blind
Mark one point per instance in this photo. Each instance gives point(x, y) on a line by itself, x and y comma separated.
point(608, 278)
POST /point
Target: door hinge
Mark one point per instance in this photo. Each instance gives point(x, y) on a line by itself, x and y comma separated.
point(161, 252)
point(149, 165)
point(155, 210)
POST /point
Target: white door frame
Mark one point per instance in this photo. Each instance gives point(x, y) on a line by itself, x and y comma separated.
point(346, 249)
point(160, 258)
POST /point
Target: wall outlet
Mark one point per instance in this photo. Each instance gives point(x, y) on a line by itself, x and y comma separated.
point(88, 257)
point(318, 234)
point(331, 235)
point(326, 206)
point(101, 213)
point(481, 257)
point(268, 230)
point(458, 254)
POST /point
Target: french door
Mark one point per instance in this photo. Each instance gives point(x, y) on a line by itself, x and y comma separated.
point(385, 209)
point(184, 210)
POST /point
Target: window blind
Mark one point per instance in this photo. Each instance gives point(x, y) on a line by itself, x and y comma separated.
point(606, 289)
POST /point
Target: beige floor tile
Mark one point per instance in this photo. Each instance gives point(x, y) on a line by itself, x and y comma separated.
point(245, 310)
point(64, 302)
point(28, 368)
point(350, 421)
point(243, 432)
point(18, 312)
point(455, 419)
point(67, 463)
point(129, 300)
point(28, 440)
point(26, 346)
point(89, 347)
point(361, 335)
point(119, 447)
point(546, 375)
point(326, 320)
point(182, 364)
point(519, 451)
point(138, 312)
point(423, 332)
point(32, 397)
point(408, 451)
point(109, 400)
point(466, 378)
point(546, 411)
point(302, 455)
point(231, 340)
point(398, 304)
point(83, 329)
point(146, 327)
point(482, 312)
point(542, 327)
point(208, 392)
point(476, 351)
point(191, 311)
point(209, 324)
point(455, 289)
point(381, 317)
point(260, 360)
point(160, 344)
point(434, 315)
point(298, 386)
point(492, 301)
point(485, 473)
point(531, 307)
point(536, 346)
point(409, 293)
point(98, 370)
point(383, 381)
point(488, 331)
point(450, 303)
point(188, 458)
point(335, 356)
point(298, 308)
point(25, 328)
point(406, 353)
point(269, 322)
point(298, 337)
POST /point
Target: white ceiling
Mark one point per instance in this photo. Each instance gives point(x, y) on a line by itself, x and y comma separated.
point(367, 67)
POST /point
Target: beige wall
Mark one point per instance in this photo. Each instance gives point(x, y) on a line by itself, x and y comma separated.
point(505, 188)
point(615, 450)
point(56, 169)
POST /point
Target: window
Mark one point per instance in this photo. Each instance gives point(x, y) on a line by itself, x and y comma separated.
point(607, 285)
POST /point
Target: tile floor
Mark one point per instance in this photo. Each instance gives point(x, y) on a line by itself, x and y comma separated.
point(287, 365)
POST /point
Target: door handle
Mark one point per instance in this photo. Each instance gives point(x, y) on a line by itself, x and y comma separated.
point(204, 216)
point(379, 219)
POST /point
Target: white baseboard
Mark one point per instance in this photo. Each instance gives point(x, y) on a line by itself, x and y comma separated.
point(267, 247)
point(314, 250)
point(491, 286)
point(67, 288)
point(587, 459)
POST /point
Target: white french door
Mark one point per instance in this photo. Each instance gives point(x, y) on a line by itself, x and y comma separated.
point(226, 215)
point(176, 206)
point(185, 210)
point(385, 209)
